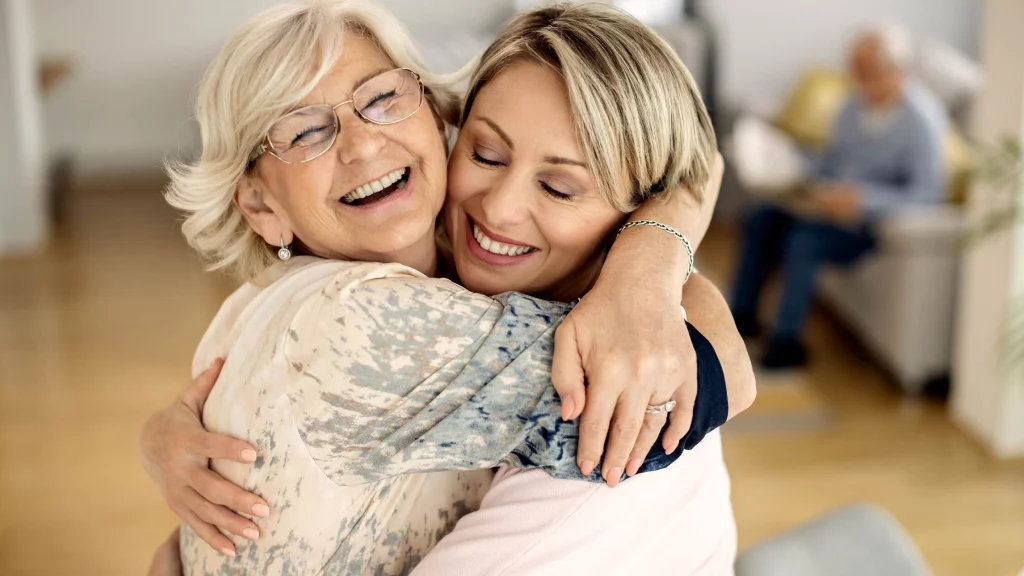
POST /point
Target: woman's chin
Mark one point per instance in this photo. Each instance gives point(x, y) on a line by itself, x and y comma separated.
point(484, 282)
point(414, 234)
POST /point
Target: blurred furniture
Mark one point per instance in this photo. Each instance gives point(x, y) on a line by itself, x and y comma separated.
point(52, 72)
point(899, 301)
point(860, 540)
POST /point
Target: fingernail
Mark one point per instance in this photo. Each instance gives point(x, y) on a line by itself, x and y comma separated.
point(251, 533)
point(586, 467)
point(613, 477)
point(260, 510)
point(249, 455)
point(633, 466)
point(227, 552)
point(567, 408)
point(672, 448)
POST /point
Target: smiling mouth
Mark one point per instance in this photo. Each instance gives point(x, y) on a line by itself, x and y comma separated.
point(378, 189)
point(495, 246)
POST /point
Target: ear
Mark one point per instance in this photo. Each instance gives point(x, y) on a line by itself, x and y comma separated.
point(261, 216)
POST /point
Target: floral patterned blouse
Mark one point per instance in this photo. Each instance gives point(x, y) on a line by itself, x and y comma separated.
point(379, 401)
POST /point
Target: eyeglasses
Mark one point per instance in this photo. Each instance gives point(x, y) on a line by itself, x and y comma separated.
point(308, 133)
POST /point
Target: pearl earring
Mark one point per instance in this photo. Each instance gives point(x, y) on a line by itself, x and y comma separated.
point(284, 253)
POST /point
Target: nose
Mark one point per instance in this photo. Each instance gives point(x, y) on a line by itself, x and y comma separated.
point(358, 140)
point(504, 204)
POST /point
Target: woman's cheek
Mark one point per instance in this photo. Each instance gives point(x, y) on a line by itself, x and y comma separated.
point(460, 177)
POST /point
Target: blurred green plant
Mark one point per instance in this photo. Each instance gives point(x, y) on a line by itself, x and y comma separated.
point(1013, 338)
point(1000, 168)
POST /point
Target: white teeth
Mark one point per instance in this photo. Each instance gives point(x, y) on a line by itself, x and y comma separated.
point(495, 247)
point(371, 188)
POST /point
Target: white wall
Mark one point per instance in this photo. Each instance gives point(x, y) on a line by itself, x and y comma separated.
point(988, 402)
point(22, 169)
point(138, 63)
point(766, 44)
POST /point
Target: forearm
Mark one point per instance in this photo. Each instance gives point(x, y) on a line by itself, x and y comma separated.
point(879, 199)
point(684, 211)
point(708, 311)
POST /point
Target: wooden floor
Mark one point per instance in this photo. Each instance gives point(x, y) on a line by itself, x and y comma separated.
point(98, 332)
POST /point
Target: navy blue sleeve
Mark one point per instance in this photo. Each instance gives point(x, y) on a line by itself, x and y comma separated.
point(710, 410)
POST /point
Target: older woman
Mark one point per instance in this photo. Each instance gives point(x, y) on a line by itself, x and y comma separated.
point(353, 380)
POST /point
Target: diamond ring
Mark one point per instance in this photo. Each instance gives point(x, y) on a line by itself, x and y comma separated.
point(662, 408)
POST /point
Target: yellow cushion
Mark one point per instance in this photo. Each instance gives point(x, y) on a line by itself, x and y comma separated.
point(958, 156)
point(812, 107)
point(810, 112)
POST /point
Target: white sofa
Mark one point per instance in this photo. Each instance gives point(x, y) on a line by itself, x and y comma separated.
point(901, 300)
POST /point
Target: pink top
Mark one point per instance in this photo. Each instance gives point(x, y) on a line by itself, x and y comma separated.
point(676, 521)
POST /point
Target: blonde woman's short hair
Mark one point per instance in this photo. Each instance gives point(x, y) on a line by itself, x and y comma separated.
point(638, 113)
point(267, 67)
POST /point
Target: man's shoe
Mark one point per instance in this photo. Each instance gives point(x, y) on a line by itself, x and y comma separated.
point(784, 353)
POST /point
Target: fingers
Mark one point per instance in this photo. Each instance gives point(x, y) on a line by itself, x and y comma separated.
point(649, 431)
point(167, 561)
point(174, 539)
point(594, 429)
point(196, 394)
point(681, 416)
point(220, 516)
point(220, 447)
point(629, 417)
point(206, 531)
point(567, 371)
point(216, 489)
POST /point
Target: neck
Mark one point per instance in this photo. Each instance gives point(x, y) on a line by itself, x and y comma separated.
point(421, 256)
point(577, 284)
point(889, 102)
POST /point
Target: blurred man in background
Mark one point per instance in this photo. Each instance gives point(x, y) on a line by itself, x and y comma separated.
point(884, 155)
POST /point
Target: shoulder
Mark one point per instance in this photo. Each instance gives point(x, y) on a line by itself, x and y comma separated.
point(850, 109)
point(378, 303)
point(924, 110)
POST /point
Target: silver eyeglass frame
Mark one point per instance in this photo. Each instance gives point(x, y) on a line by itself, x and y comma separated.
point(267, 147)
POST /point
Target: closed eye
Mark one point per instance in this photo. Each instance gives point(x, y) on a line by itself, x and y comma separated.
point(555, 193)
point(380, 98)
point(308, 132)
point(484, 161)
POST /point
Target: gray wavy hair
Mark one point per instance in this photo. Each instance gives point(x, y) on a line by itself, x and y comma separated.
point(266, 68)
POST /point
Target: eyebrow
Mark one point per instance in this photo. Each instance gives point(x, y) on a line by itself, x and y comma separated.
point(561, 160)
point(369, 77)
point(501, 133)
point(508, 141)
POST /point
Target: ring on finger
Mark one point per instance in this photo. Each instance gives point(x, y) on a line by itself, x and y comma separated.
point(661, 408)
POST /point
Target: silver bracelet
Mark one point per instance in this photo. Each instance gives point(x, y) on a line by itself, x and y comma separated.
point(670, 230)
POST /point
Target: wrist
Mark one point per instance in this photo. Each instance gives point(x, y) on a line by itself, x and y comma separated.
point(647, 257)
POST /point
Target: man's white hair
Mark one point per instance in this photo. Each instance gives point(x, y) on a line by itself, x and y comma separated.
point(895, 43)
